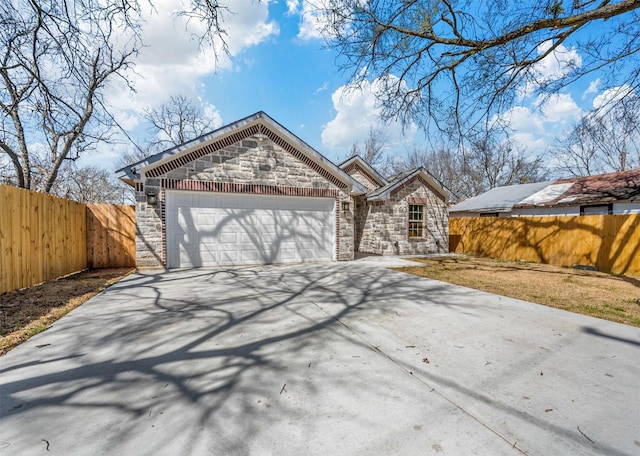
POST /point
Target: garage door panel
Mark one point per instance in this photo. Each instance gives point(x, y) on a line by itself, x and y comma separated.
point(229, 257)
point(208, 229)
point(227, 225)
point(286, 244)
point(206, 219)
point(287, 254)
point(307, 254)
point(228, 238)
point(250, 255)
point(270, 237)
point(250, 238)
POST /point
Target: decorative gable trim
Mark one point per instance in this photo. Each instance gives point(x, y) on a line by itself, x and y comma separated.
point(354, 166)
point(256, 189)
point(202, 151)
point(371, 174)
point(245, 133)
point(424, 182)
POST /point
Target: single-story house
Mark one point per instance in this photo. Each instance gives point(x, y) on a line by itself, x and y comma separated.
point(611, 193)
point(252, 192)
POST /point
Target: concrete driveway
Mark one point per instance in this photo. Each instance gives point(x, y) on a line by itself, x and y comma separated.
point(337, 358)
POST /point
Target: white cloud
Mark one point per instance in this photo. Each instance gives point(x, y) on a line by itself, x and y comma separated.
point(554, 66)
point(173, 62)
point(527, 128)
point(593, 88)
point(530, 141)
point(322, 88)
point(558, 63)
point(612, 95)
point(522, 119)
point(292, 7)
point(211, 115)
point(559, 108)
point(357, 113)
point(535, 127)
point(312, 20)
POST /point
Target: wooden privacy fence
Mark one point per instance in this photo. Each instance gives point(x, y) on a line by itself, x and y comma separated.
point(111, 236)
point(611, 243)
point(43, 237)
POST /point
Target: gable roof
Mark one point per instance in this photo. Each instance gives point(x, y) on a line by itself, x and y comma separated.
point(357, 162)
point(406, 178)
point(258, 124)
point(600, 188)
point(499, 199)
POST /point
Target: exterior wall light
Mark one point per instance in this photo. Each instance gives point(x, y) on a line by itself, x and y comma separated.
point(345, 206)
point(152, 198)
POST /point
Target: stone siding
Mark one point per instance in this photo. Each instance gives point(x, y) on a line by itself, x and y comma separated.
point(361, 178)
point(385, 224)
point(245, 162)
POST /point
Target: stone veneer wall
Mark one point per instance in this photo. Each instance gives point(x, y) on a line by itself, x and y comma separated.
point(385, 231)
point(357, 175)
point(360, 218)
point(245, 162)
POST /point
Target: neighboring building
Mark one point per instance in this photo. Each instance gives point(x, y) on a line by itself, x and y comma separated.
point(253, 193)
point(611, 193)
point(497, 202)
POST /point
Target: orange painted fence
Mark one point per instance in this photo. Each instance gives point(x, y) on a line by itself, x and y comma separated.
point(611, 243)
point(43, 237)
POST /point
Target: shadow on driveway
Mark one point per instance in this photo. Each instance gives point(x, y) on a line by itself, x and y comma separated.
point(307, 359)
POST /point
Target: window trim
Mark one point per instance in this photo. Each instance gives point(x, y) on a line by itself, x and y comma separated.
point(420, 223)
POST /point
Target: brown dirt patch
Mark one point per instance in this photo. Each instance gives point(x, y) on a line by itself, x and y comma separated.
point(611, 297)
point(26, 312)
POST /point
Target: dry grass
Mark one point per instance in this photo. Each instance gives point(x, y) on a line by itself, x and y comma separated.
point(615, 298)
point(30, 311)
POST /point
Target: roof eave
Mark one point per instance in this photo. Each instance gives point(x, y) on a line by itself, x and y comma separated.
point(367, 167)
point(136, 171)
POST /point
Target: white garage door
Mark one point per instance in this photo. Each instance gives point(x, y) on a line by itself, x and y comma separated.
point(210, 229)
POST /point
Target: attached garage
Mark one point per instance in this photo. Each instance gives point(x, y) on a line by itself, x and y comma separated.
point(216, 229)
point(250, 192)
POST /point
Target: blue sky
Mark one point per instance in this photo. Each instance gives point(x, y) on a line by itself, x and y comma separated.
point(279, 65)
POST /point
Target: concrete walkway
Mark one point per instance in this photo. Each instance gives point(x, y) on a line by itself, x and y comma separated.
point(316, 359)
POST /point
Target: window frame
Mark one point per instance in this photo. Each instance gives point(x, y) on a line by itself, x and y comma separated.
point(416, 227)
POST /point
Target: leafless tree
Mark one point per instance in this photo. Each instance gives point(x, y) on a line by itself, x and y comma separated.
point(457, 62)
point(374, 149)
point(493, 162)
point(175, 122)
point(442, 162)
point(56, 59)
point(488, 160)
point(90, 184)
point(604, 140)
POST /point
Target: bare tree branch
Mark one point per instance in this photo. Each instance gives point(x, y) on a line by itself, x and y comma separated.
point(56, 59)
point(457, 62)
point(604, 140)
